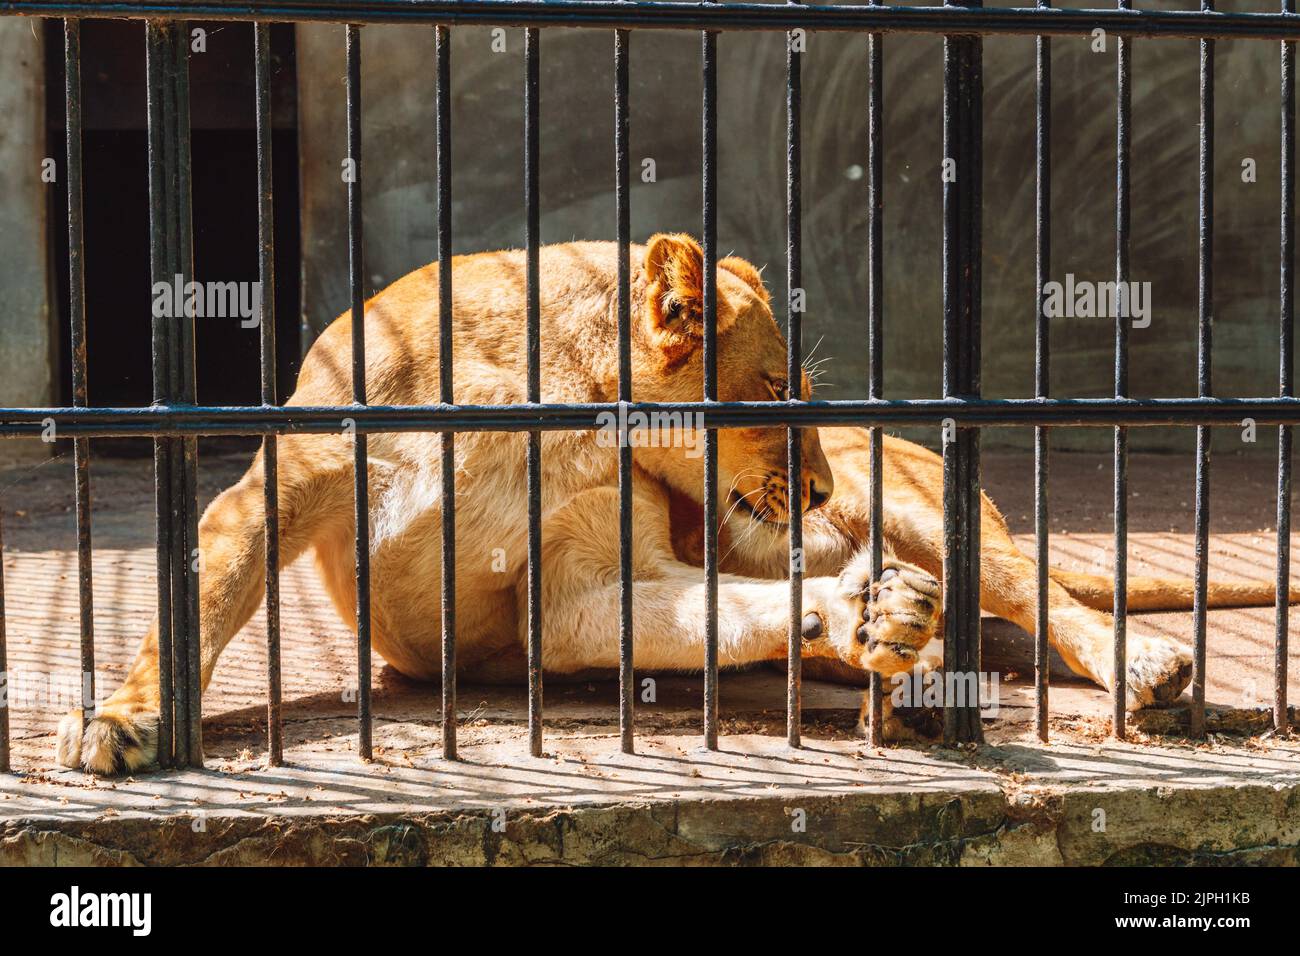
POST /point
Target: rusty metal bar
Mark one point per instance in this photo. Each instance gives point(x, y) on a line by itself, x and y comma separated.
point(623, 215)
point(1285, 375)
point(794, 373)
point(968, 19)
point(77, 320)
point(532, 209)
point(446, 367)
point(1205, 323)
point(963, 166)
point(1123, 109)
point(361, 477)
point(709, 234)
point(876, 337)
point(1042, 363)
point(266, 326)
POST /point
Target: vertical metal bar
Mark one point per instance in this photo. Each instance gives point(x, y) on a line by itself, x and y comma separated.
point(361, 498)
point(532, 43)
point(1205, 323)
point(794, 373)
point(623, 213)
point(963, 91)
point(1042, 360)
point(176, 460)
point(188, 394)
point(77, 317)
point(6, 688)
point(1286, 353)
point(1120, 608)
point(876, 335)
point(709, 183)
point(270, 459)
point(446, 368)
point(171, 721)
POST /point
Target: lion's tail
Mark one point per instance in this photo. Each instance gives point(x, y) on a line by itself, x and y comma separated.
point(1167, 594)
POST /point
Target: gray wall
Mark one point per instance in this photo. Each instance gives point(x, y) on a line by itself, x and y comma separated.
point(577, 202)
point(26, 376)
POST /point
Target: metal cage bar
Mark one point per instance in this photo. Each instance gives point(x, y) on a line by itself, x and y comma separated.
point(1123, 109)
point(967, 19)
point(623, 217)
point(77, 321)
point(266, 327)
point(1042, 364)
point(876, 339)
point(176, 459)
point(361, 483)
point(709, 235)
point(532, 212)
point(963, 164)
point(794, 374)
point(446, 395)
point(167, 421)
point(1205, 323)
point(1285, 376)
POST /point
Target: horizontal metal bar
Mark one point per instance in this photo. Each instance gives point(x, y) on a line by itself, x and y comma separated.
point(165, 420)
point(652, 14)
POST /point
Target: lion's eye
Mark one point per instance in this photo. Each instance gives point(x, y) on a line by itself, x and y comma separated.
point(780, 389)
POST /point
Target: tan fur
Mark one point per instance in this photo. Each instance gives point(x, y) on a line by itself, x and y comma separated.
point(884, 626)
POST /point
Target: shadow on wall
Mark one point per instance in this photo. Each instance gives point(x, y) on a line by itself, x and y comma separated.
point(577, 172)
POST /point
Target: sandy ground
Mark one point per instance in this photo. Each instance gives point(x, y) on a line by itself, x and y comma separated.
point(319, 658)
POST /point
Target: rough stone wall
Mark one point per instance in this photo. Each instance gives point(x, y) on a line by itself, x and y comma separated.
point(26, 370)
point(577, 176)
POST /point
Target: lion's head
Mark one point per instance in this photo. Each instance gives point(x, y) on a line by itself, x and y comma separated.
point(751, 362)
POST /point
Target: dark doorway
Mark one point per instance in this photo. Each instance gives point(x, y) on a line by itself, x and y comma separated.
point(116, 201)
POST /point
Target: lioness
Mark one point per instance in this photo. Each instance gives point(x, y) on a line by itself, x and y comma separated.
point(882, 629)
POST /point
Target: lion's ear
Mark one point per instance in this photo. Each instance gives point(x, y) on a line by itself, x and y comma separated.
point(744, 270)
point(674, 264)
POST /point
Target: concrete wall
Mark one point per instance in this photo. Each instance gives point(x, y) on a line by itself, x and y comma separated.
point(26, 368)
point(577, 175)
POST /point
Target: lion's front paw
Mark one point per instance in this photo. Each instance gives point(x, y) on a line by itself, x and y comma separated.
point(892, 619)
point(1159, 670)
point(900, 724)
point(112, 743)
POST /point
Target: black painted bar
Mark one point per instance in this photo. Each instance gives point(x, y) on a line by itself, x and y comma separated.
point(1286, 357)
point(361, 477)
point(270, 457)
point(1205, 323)
point(962, 125)
point(167, 421)
point(876, 337)
point(657, 15)
point(176, 460)
point(1042, 363)
point(623, 214)
point(794, 374)
point(1123, 110)
point(77, 319)
point(447, 442)
point(709, 176)
point(532, 66)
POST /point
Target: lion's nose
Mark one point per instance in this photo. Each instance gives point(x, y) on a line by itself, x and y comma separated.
point(816, 495)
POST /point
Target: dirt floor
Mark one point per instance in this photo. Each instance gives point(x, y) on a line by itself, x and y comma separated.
point(319, 657)
point(583, 765)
